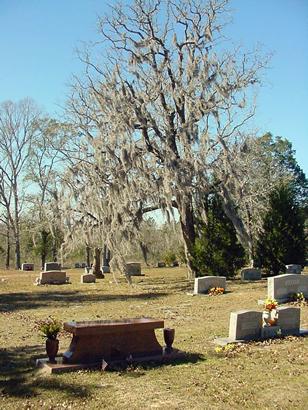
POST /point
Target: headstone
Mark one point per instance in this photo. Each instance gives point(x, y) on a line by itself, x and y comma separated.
point(161, 264)
point(27, 266)
point(175, 264)
point(106, 269)
point(282, 287)
point(250, 274)
point(204, 283)
point(52, 266)
point(289, 320)
point(88, 278)
point(52, 278)
point(77, 265)
point(297, 269)
point(133, 269)
point(83, 265)
point(268, 332)
point(245, 325)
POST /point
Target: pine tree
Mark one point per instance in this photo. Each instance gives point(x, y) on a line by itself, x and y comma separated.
point(282, 241)
point(217, 250)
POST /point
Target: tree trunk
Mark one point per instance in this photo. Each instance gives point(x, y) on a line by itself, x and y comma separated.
point(16, 229)
point(44, 236)
point(188, 233)
point(88, 255)
point(8, 248)
point(97, 263)
point(54, 250)
point(144, 250)
point(17, 253)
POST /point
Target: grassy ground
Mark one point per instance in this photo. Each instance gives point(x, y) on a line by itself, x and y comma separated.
point(269, 375)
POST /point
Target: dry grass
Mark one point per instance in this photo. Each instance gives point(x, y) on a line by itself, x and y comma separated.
point(266, 375)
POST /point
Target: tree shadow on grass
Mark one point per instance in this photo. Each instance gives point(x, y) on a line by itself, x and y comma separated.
point(138, 369)
point(10, 302)
point(19, 377)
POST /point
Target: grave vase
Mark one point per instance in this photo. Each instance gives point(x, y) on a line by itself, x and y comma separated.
point(52, 347)
point(169, 339)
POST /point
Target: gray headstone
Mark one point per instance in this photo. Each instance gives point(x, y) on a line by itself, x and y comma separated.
point(52, 266)
point(133, 269)
point(245, 325)
point(270, 332)
point(297, 269)
point(289, 320)
point(251, 274)
point(52, 278)
point(27, 266)
point(161, 264)
point(106, 269)
point(282, 287)
point(88, 278)
point(77, 265)
point(204, 283)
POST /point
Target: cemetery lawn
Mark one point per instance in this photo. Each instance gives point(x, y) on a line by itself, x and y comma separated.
point(268, 375)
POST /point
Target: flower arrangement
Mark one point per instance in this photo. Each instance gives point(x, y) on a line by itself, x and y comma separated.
point(216, 291)
point(270, 304)
point(49, 328)
point(298, 297)
point(229, 350)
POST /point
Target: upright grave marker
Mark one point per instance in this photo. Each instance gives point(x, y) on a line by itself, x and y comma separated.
point(27, 266)
point(297, 269)
point(245, 325)
point(282, 287)
point(52, 266)
point(250, 274)
point(133, 269)
point(204, 283)
point(52, 278)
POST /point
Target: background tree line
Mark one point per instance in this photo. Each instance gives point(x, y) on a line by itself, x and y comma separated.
point(162, 124)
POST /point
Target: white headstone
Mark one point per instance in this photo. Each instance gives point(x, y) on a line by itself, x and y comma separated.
point(245, 325)
point(204, 283)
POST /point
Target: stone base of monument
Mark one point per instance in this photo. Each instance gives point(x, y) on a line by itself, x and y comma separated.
point(223, 341)
point(60, 367)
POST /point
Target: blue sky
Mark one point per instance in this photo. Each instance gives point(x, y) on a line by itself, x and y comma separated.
point(38, 40)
